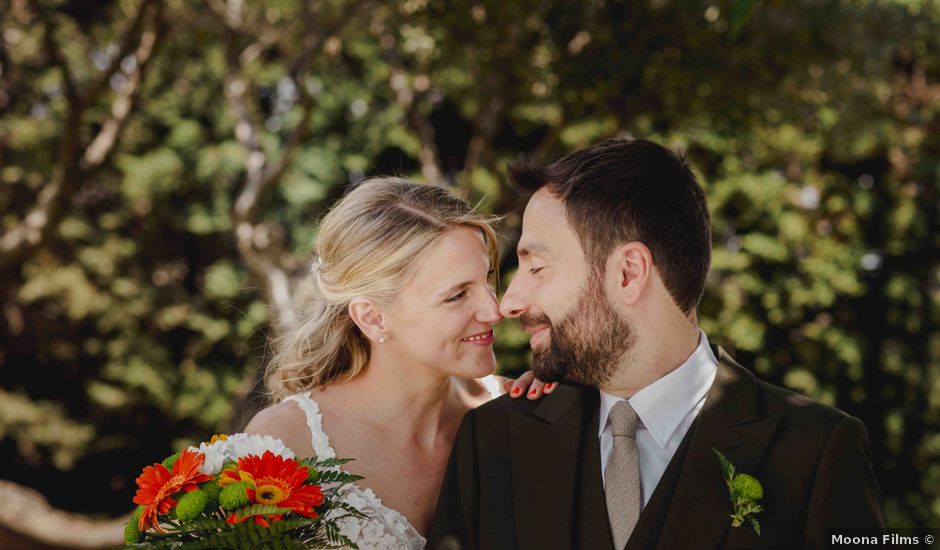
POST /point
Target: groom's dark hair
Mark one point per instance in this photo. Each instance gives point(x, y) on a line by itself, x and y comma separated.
point(623, 190)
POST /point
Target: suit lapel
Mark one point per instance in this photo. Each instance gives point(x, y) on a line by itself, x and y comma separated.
point(730, 422)
point(544, 466)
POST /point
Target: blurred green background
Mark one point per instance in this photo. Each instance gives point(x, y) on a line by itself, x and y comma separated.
point(163, 166)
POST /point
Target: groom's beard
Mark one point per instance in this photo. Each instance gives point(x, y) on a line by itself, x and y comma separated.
point(586, 347)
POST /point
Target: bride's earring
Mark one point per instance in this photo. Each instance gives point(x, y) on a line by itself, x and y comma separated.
point(381, 339)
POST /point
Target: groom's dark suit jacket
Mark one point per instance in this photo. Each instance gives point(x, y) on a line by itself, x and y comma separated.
point(526, 474)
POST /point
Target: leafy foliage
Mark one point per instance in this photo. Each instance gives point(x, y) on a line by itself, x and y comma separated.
point(138, 320)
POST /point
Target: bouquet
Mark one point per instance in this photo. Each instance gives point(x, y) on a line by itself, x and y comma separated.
point(240, 492)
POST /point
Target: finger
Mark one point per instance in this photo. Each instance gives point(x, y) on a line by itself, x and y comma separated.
point(549, 388)
point(535, 389)
point(520, 385)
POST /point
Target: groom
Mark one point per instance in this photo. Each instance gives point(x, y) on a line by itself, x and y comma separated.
point(613, 257)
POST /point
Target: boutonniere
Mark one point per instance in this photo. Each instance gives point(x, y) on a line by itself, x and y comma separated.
point(745, 491)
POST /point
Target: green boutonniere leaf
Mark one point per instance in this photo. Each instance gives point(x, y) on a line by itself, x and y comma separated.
point(745, 490)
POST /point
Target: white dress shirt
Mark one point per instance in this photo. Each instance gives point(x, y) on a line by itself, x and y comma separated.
point(666, 409)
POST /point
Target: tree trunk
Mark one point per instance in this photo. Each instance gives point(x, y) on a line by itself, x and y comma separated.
point(27, 520)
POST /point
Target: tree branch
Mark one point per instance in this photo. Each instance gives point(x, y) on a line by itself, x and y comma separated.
point(121, 107)
point(52, 50)
point(126, 44)
point(17, 242)
point(261, 245)
point(502, 87)
point(262, 173)
point(72, 163)
point(247, 132)
point(410, 100)
point(298, 68)
point(428, 156)
point(230, 12)
point(31, 521)
point(484, 127)
point(274, 171)
point(29, 233)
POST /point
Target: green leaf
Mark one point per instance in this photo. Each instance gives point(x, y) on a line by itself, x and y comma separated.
point(352, 511)
point(336, 476)
point(260, 510)
point(727, 468)
point(741, 12)
point(327, 462)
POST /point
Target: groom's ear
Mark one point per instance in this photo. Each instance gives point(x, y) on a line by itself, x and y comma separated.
point(633, 266)
point(368, 317)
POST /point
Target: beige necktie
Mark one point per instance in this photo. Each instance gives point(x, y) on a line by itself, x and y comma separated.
point(622, 475)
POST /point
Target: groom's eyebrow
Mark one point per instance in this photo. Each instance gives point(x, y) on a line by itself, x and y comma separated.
point(533, 249)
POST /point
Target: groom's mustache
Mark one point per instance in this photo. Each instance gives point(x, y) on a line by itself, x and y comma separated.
point(534, 320)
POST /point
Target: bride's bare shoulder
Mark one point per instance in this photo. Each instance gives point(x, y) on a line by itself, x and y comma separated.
point(285, 421)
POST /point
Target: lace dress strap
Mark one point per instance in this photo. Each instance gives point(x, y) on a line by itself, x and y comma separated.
point(384, 528)
point(319, 441)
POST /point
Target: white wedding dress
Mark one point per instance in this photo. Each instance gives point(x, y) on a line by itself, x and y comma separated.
point(384, 528)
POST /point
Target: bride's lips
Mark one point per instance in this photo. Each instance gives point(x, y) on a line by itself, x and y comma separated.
point(537, 335)
point(480, 339)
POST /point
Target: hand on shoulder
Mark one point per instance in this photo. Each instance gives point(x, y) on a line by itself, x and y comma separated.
point(527, 384)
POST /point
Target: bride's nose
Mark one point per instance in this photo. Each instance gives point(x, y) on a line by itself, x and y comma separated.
point(489, 310)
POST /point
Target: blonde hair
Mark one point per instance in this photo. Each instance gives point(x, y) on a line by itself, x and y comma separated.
point(367, 247)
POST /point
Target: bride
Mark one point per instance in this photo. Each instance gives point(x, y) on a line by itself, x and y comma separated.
point(383, 369)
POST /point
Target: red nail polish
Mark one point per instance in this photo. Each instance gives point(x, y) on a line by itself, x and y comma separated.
point(515, 392)
point(532, 391)
point(549, 386)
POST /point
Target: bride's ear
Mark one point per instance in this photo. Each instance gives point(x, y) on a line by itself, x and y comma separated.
point(367, 316)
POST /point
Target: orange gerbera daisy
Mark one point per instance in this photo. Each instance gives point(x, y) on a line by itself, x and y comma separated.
point(278, 481)
point(156, 485)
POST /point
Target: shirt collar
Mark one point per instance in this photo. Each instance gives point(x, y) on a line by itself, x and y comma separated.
point(663, 404)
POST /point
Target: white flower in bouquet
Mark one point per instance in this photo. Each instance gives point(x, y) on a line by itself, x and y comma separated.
point(222, 449)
